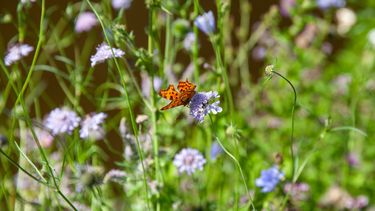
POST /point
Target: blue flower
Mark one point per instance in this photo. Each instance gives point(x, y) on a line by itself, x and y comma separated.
point(326, 4)
point(269, 179)
point(216, 150)
point(201, 105)
point(206, 22)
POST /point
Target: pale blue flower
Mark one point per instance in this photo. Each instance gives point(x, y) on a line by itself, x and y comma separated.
point(121, 4)
point(202, 104)
point(269, 179)
point(17, 52)
point(206, 22)
point(62, 120)
point(103, 52)
point(85, 22)
point(189, 41)
point(216, 150)
point(326, 4)
point(91, 126)
point(189, 160)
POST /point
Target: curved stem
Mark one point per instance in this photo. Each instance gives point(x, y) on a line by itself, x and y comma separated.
point(292, 133)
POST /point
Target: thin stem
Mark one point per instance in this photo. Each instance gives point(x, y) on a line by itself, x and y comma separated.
point(292, 133)
point(123, 83)
point(195, 45)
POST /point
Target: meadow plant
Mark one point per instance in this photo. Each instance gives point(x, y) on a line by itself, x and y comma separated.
point(287, 125)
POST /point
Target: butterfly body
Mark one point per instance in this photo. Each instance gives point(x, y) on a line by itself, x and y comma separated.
point(186, 91)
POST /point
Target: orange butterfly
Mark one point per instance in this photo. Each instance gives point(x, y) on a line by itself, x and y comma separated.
point(183, 97)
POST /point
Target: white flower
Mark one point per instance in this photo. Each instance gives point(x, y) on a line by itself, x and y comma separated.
point(91, 126)
point(85, 22)
point(103, 52)
point(44, 137)
point(189, 160)
point(206, 22)
point(189, 41)
point(27, 1)
point(121, 4)
point(371, 37)
point(346, 18)
point(16, 52)
point(201, 105)
point(62, 120)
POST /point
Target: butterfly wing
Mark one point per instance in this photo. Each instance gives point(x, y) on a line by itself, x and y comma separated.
point(170, 93)
point(184, 86)
point(172, 104)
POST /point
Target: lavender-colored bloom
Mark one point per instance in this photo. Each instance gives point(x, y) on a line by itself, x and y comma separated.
point(44, 137)
point(202, 104)
point(103, 52)
point(146, 84)
point(206, 22)
point(269, 179)
point(297, 191)
point(286, 6)
point(16, 52)
point(85, 22)
point(326, 4)
point(216, 150)
point(189, 41)
point(121, 4)
point(27, 1)
point(62, 120)
point(352, 159)
point(91, 126)
point(189, 160)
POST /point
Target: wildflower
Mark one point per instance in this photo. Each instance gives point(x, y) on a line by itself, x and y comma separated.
point(259, 53)
point(297, 191)
point(340, 199)
point(200, 105)
point(371, 37)
point(62, 120)
point(352, 159)
point(85, 22)
point(88, 177)
point(103, 52)
point(121, 4)
point(342, 83)
point(189, 160)
point(269, 69)
point(269, 179)
point(16, 52)
point(307, 36)
point(206, 22)
point(114, 175)
point(27, 1)
point(189, 41)
point(216, 150)
point(141, 118)
point(90, 126)
point(346, 18)
point(326, 4)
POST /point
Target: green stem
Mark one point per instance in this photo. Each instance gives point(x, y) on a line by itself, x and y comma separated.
point(195, 46)
point(292, 133)
point(123, 83)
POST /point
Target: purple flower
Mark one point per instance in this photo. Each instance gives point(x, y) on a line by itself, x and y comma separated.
point(17, 52)
point(114, 175)
point(206, 22)
point(103, 52)
point(326, 4)
point(269, 179)
point(189, 41)
point(286, 6)
point(216, 150)
point(85, 22)
point(62, 120)
point(91, 126)
point(298, 191)
point(201, 105)
point(189, 160)
point(121, 4)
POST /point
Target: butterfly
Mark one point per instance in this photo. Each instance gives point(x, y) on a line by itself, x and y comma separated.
point(186, 91)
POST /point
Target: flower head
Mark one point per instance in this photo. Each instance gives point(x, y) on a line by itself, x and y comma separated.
point(326, 4)
point(16, 52)
point(189, 160)
point(206, 22)
point(201, 105)
point(298, 191)
point(91, 128)
point(44, 137)
point(62, 120)
point(85, 22)
point(269, 179)
point(216, 150)
point(189, 41)
point(346, 18)
point(103, 52)
point(121, 4)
